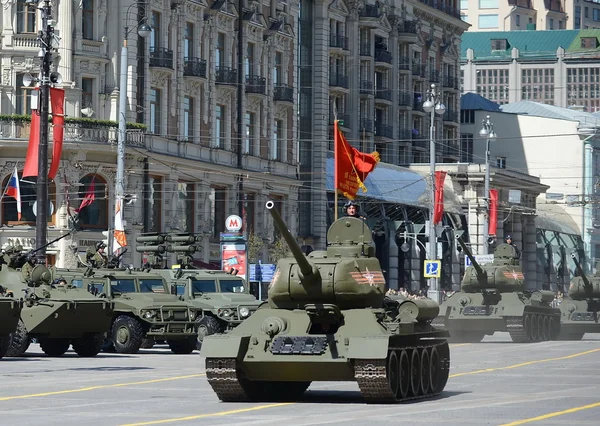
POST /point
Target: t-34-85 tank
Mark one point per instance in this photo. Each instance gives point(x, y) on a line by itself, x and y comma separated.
point(580, 307)
point(493, 298)
point(328, 319)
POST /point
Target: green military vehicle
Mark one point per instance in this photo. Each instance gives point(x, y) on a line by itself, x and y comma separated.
point(144, 308)
point(579, 309)
point(493, 298)
point(56, 315)
point(223, 300)
point(10, 311)
point(327, 319)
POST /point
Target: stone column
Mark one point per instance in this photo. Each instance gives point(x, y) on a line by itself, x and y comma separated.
point(393, 257)
point(65, 26)
point(529, 255)
point(353, 72)
point(392, 148)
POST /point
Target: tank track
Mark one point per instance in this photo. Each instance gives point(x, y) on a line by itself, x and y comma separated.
point(371, 375)
point(521, 332)
point(372, 379)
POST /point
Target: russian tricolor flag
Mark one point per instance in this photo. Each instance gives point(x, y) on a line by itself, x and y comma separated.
point(13, 190)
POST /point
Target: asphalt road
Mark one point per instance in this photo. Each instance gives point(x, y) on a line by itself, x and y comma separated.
point(492, 383)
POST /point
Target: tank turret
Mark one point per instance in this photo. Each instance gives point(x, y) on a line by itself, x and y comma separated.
point(582, 287)
point(347, 274)
point(480, 274)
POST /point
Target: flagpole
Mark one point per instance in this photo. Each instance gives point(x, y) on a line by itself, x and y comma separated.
point(335, 158)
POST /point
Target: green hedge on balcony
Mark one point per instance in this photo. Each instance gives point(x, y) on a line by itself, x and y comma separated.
point(87, 122)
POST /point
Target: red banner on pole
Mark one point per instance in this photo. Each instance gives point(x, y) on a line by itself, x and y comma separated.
point(438, 210)
point(57, 101)
point(351, 167)
point(493, 214)
point(31, 160)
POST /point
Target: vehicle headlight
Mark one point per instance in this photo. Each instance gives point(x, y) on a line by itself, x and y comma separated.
point(192, 315)
point(148, 314)
point(244, 312)
point(226, 313)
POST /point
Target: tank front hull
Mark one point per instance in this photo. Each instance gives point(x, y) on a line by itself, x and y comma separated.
point(578, 317)
point(10, 310)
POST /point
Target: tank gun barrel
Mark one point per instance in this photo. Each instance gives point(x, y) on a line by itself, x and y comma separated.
point(584, 278)
point(150, 239)
point(303, 263)
point(481, 275)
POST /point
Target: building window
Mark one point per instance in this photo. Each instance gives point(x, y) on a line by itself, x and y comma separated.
point(28, 198)
point(250, 60)
point(155, 201)
point(493, 84)
point(188, 118)
point(464, 4)
point(488, 21)
point(155, 34)
point(277, 144)
point(501, 162)
point(488, 4)
point(596, 15)
point(278, 69)
point(26, 17)
point(23, 97)
point(220, 50)
point(87, 19)
point(92, 204)
point(466, 148)
point(583, 88)
point(250, 123)
point(249, 211)
point(538, 85)
point(217, 200)
point(184, 221)
point(467, 116)
point(155, 117)
point(517, 20)
point(87, 92)
point(219, 135)
point(188, 40)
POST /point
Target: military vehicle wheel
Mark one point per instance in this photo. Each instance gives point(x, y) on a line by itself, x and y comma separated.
point(127, 335)
point(54, 347)
point(539, 322)
point(546, 328)
point(434, 369)
point(4, 344)
point(182, 347)
point(89, 345)
point(404, 372)
point(415, 373)
point(393, 374)
point(19, 341)
point(425, 367)
point(207, 325)
point(147, 343)
point(527, 325)
point(444, 366)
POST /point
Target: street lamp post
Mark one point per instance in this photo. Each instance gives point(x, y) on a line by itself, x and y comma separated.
point(487, 130)
point(433, 106)
point(144, 30)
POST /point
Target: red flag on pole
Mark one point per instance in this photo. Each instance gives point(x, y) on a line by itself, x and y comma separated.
point(57, 100)
point(438, 210)
point(89, 197)
point(493, 213)
point(31, 160)
point(351, 167)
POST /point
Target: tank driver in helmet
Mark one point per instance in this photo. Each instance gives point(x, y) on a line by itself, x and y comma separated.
point(509, 240)
point(352, 208)
point(99, 259)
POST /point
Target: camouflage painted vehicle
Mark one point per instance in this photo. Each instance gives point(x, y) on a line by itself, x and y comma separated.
point(223, 300)
point(327, 319)
point(579, 309)
point(493, 298)
point(57, 316)
point(144, 308)
point(10, 312)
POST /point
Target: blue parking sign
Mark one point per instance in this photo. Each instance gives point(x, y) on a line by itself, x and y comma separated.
point(432, 269)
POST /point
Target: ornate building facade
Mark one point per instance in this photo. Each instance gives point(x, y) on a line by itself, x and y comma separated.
point(183, 165)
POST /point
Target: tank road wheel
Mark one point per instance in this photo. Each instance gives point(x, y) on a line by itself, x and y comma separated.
point(434, 370)
point(415, 373)
point(207, 325)
point(54, 347)
point(444, 365)
point(89, 345)
point(539, 320)
point(19, 341)
point(127, 335)
point(404, 375)
point(425, 367)
point(183, 346)
point(546, 328)
point(4, 344)
point(527, 327)
point(393, 375)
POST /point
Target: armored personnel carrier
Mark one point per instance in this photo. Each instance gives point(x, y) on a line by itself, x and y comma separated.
point(222, 300)
point(327, 319)
point(493, 298)
point(56, 315)
point(144, 308)
point(579, 309)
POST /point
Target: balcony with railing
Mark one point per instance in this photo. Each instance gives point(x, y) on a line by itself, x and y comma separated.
point(451, 81)
point(404, 63)
point(370, 11)
point(225, 75)
point(420, 141)
point(161, 57)
point(383, 130)
point(443, 7)
point(283, 93)
point(338, 80)
point(405, 99)
point(256, 85)
point(451, 116)
point(434, 76)
point(408, 27)
point(365, 49)
point(366, 125)
point(384, 94)
point(366, 87)
point(194, 67)
point(404, 135)
point(450, 149)
point(382, 55)
point(418, 70)
point(338, 41)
